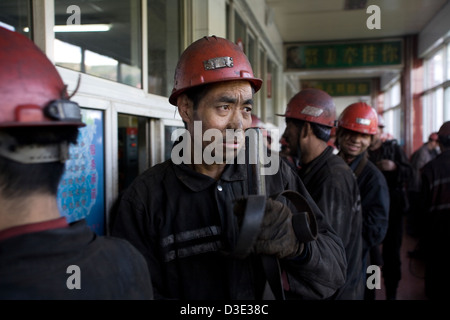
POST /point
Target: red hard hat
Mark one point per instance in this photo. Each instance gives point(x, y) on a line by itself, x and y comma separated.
point(32, 92)
point(312, 105)
point(209, 60)
point(256, 122)
point(359, 117)
point(444, 130)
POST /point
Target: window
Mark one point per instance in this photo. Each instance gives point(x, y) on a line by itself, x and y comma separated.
point(448, 62)
point(261, 102)
point(163, 44)
point(133, 153)
point(392, 112)
point(68, 55)
point(433, 107)
point(436, 100)
point(15, 15)
point(270, 77)
point(168, 141)
point(434, 71)
point(111, 48)
point(239, 30)
point(447, 105)
point(251, 50)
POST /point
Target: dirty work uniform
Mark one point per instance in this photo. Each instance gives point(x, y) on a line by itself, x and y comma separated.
point(34, 261)
point(436, 220)
point(183, 223)
point(333, 186)
point(397, 181)
point(374, 193)
point(374, 202)
point(418, 159)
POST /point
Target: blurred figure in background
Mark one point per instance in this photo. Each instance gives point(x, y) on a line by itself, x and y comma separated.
point(257, 123)
point(285, 154)
point(435, 216)
point(332, 141)
point(390, 158)
point(427, 152)
point(383, 136)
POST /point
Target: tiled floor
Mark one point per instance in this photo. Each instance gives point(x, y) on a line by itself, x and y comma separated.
point(411, 286)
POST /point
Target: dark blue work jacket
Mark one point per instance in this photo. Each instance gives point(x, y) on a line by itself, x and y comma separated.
point(184, 224)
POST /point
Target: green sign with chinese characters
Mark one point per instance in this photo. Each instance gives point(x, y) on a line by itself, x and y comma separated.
point(341, 87)
point(344, 55)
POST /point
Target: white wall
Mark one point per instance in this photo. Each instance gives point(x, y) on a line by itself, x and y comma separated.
point(343, 102)
point(208, 18)
point(268, 30)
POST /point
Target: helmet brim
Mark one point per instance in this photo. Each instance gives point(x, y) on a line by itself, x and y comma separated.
point(255, 83)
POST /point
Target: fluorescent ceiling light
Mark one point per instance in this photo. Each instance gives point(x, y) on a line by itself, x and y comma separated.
point(82, 28)
point(7, 26)
point(79, 28)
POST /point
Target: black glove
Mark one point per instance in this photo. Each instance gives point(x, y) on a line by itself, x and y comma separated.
point(277, 236)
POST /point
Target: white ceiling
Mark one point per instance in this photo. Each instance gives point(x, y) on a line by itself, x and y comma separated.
point(328, 20)
point(323, 20)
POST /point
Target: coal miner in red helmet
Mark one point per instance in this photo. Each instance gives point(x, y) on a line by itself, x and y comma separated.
point(42, 256)
point(435, 217)
point(310, 116)
point(357, 126)
point(184, 216)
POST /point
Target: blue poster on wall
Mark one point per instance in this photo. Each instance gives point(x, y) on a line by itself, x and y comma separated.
point(81, 189)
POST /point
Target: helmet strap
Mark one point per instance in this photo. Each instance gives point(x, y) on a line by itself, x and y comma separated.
point(33, 153)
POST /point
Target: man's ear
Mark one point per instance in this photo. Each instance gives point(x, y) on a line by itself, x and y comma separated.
point(306, 128)
point(185, 108)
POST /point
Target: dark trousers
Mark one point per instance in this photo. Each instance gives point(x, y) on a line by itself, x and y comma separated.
point(391, 253)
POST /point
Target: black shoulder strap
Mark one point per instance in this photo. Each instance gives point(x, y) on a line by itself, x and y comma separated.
point(361, 164)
